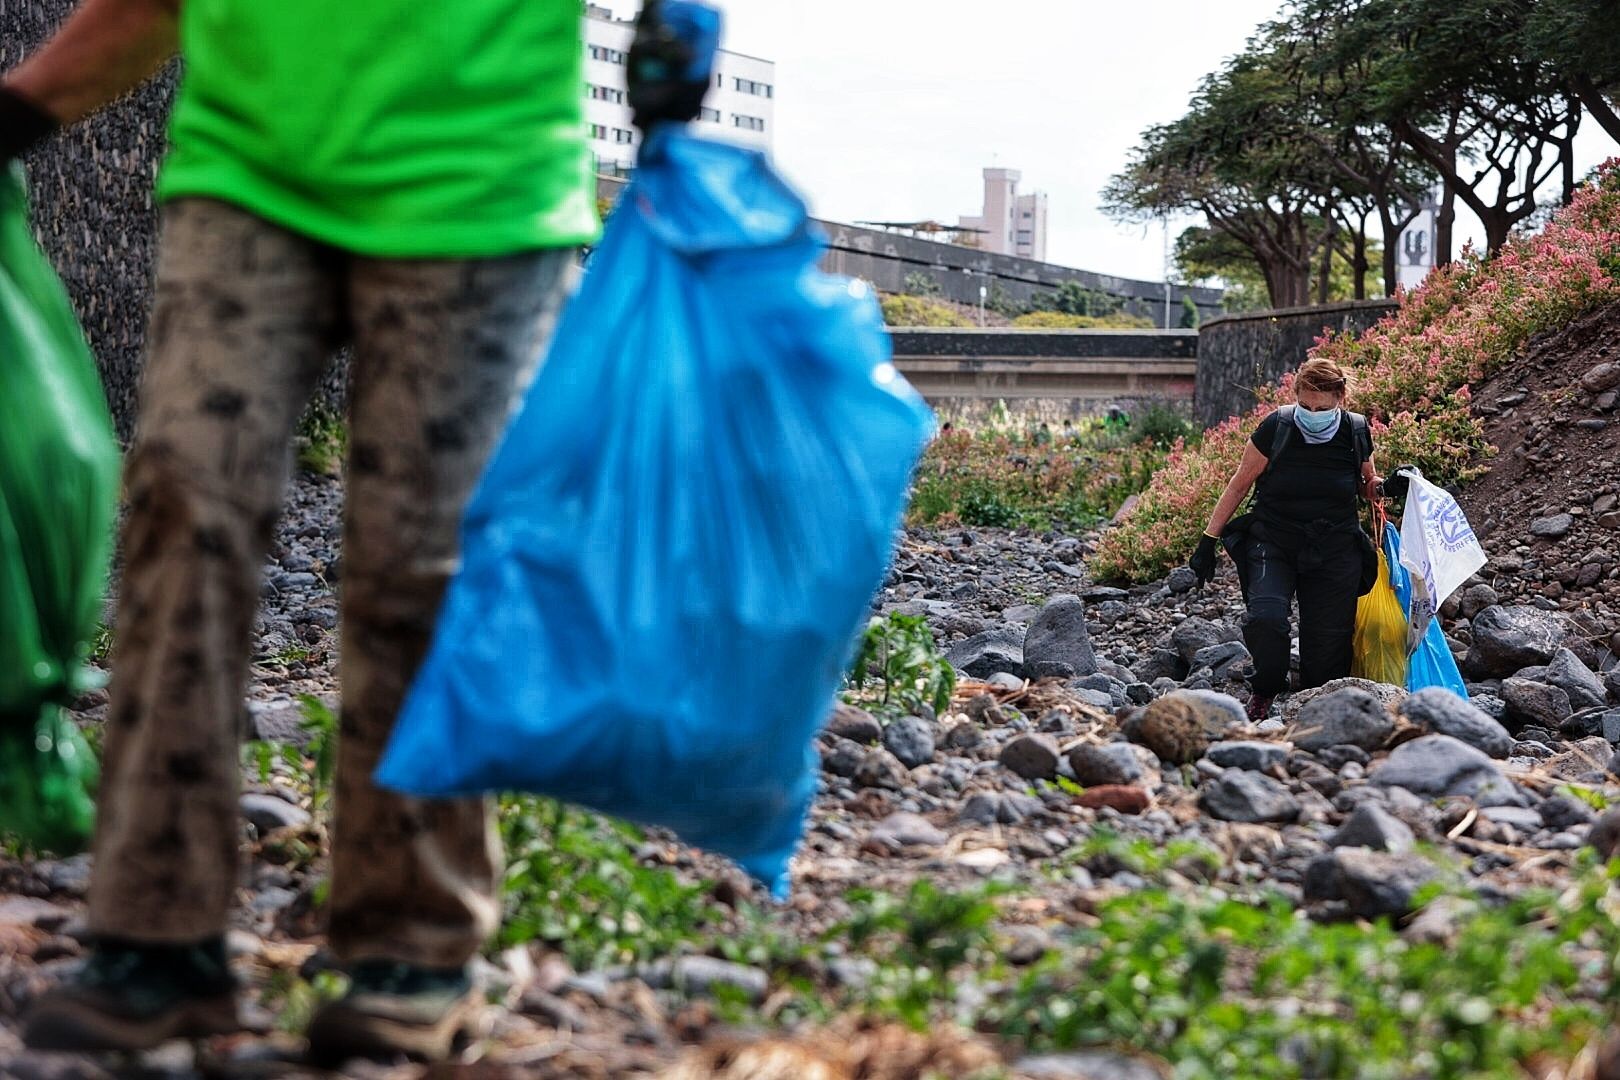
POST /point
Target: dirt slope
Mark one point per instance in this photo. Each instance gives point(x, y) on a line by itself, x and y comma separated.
point(1549, 509)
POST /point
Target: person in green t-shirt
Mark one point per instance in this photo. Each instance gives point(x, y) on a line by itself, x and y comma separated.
point(407, 180)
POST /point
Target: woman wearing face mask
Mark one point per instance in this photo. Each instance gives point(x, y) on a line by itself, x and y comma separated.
point(1307, 463)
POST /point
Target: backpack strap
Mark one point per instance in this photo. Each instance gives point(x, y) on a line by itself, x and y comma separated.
point(1279, 439)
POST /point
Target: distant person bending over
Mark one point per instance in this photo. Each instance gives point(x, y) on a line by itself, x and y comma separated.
point(408, 180)
point(1307, 463)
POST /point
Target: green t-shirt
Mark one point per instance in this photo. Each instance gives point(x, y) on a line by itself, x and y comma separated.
point(394, 128)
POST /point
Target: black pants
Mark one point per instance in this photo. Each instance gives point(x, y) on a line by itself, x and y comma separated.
point(1325, 573)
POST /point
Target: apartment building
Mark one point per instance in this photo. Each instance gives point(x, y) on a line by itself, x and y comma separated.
point(1010, 223)
point(741, 106)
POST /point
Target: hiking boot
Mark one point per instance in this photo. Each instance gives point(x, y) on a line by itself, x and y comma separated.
point(1260, 707)
point(394, 1010)
point(131, 997)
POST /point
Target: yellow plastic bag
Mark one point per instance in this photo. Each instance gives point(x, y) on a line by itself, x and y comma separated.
point(1380, 639)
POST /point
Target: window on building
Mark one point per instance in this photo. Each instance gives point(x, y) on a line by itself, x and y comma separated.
point(747, 123)
point(607, 55)
point(719, 81)
point(711, 115)
point(623, 136)
point(598, 131)
point(749, 86)
point(606, 93)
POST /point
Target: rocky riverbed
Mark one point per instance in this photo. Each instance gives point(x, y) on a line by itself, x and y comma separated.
point(1088, 719)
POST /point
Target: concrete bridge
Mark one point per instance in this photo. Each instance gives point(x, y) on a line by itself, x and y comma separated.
point(1085, 365)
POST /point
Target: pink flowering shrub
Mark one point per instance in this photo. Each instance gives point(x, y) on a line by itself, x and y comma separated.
point(1411, 374)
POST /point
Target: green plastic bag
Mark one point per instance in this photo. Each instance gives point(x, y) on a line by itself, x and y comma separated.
point(58, 486)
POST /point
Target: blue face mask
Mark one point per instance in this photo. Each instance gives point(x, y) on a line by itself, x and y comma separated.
point(1316, 423)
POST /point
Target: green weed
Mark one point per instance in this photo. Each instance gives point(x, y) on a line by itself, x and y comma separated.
point(898, 667)
point(323, 441)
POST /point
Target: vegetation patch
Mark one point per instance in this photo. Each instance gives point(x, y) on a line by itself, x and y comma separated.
point(1012, 474)
point(1411, 374)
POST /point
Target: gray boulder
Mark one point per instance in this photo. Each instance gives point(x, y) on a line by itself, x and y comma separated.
point(982, 655)
point(854, 724)
point(910, 739)
point(1585, 689)
point(1507, 638)
point(1248, 754)
point(1441, 765)
point(1195, 634)
point(1347, 717)
point(1538, 703)
point(1371, 826)
point(1388, 696)
point(1248, 797)
point(1032, 756)
point(1059, 636)
point(1369, 883)
point(1107, 764)
point(267, 813)
point(1440, 712)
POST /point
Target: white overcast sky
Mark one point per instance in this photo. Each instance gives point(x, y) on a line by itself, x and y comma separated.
point(889, 109)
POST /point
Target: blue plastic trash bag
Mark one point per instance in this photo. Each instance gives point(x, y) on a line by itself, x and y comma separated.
point(670, 555)
point(1432, 663)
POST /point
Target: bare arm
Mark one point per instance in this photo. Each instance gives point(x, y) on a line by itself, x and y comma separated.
point(105, 48)
point(1369, 481)
point(1248, 471)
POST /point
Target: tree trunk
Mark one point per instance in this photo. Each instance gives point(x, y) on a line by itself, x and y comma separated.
point(1445, 221)
point(1324, 273)
point(1600, 107)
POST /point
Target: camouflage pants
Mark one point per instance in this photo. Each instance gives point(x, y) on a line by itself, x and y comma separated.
point(245, 319)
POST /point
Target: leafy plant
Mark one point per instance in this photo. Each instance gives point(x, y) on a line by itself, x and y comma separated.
point(323, 441)
point(899, 659)
point(920, 311)
point(573, 881)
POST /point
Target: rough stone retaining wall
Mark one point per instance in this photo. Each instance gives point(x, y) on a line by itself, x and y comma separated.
point(1239, 353)
point(91, 188)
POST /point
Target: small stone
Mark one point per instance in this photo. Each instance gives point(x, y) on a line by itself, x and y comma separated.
point(982, 808)
point(910, 739)
point(1604, 836)
point(1195, 634)
point(1601, 377)
point(963, 735)
point(701, 976)
point(1180, 726)
point(902, 830)
point(1181, 579)
point(1551, 528)
point(1124, 799)
point(1032, 756)
point(1248, 797)
point(854, 724)
point(1347, 717)
point(1438, 711)
point(1390, 697)
point(1222, 658)
point(880, 769)
point(1248, 754)
point(842, 758)
point(267, 813)
point(1104, 765)
point(1371, 826)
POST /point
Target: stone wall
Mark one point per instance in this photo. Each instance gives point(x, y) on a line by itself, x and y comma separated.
point(91, 190)
point(1239, 353)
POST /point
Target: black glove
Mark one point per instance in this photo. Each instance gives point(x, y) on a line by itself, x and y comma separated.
point(666, 74)
point(22, 124)
point(1203, 560)
point(1397, 483)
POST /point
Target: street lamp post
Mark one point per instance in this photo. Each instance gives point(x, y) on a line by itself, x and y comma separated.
point(984, 292)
